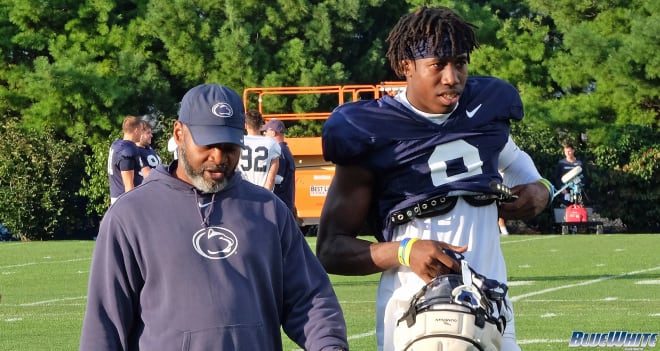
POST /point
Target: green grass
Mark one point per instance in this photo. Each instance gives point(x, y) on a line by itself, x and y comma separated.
point(559, 284)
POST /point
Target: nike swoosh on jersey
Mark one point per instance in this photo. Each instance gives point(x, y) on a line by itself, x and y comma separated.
point(201, 205)
point(471, 114)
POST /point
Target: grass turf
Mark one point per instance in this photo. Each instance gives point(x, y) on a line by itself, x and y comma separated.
point(559, 284)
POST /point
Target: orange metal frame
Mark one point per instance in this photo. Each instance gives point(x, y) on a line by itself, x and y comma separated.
point(341, 91)
point(313, 173)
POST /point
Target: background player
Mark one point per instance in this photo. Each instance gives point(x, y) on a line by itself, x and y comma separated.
point(260, 158)
point(124, 159)
point(285, 188)
point(149, 158)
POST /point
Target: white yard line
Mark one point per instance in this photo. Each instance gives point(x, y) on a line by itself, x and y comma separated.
point(616, 299)
point(45, 262)
point(363, 335)
point(541, 341)
point(544, 237)
point(45, 302)
point(588, 282)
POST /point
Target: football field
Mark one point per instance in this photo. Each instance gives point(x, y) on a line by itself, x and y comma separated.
point(560, 285)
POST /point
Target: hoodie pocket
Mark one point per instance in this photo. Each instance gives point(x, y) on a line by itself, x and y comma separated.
point(227, 338)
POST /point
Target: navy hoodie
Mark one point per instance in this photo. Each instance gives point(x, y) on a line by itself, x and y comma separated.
point(162, 279)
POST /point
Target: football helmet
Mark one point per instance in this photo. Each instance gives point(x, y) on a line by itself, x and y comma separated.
point(457, 312)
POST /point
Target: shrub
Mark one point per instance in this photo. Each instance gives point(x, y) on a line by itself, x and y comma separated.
point(623, 165)
point(96, 185)
point(39, 179)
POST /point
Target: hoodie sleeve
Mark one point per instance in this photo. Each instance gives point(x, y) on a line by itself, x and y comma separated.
point(113, 291)
point(312, 315)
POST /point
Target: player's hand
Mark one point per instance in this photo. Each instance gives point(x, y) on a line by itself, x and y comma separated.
point(427, 259)
point(532, 200)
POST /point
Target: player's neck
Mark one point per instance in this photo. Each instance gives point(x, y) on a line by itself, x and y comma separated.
point(252, 132)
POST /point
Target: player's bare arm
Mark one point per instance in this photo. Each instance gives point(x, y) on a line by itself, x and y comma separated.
point(344, 213)
point(128, 178)
point(145, 171)
point(520, 173)
point(532, 200)
point(272, 173)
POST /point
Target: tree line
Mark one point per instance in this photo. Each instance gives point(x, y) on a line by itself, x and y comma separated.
point(71, 70)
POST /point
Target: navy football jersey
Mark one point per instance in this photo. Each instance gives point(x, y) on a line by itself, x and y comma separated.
point(122, 150)
point(149, 157)
point(411, 157)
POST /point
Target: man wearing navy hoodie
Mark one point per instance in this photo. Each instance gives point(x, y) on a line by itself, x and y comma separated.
point(221, 263)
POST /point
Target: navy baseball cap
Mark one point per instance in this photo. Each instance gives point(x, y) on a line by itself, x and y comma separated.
point(274, 124)
point(214, 114)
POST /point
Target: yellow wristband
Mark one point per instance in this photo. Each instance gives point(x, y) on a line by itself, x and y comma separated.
point(546, 183)
point(551, 189)
point(407, 250)
point(402, 248)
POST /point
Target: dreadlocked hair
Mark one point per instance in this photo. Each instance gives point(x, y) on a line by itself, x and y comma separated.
point(429, 25)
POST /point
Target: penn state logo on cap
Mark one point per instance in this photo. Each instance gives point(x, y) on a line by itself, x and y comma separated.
point(214, 114)
point(222, 109)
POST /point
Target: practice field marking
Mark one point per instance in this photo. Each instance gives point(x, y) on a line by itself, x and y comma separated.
point(45, 262)
point(363, 335)
point(541, 341)
point(607, 299)
point(520, 283)
point(531, 239)
point(588, 282)
point(6, 244)
point(13, 320)
point(45, 302)
point(648, 282)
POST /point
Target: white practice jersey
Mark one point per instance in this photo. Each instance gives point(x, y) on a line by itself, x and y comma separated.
point(482, 238)
point(256, 158)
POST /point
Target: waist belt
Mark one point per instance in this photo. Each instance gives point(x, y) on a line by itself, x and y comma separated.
point(438, 205)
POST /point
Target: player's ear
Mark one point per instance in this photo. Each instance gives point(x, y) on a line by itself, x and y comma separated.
point(407, 67)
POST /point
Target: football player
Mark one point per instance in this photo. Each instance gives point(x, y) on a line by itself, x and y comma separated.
point(149, 158)
point(422, 165)
point(124, 159)
point(260, 158)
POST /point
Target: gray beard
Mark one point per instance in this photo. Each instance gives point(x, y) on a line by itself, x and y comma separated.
point(197, 176)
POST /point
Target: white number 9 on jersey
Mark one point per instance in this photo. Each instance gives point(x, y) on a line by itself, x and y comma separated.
point(458, 156)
